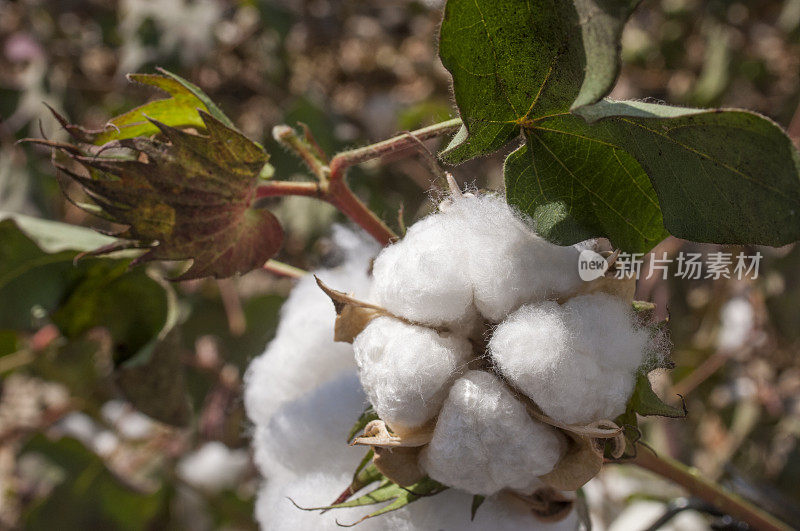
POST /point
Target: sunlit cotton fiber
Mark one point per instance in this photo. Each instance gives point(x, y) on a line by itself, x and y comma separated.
point(576, 361)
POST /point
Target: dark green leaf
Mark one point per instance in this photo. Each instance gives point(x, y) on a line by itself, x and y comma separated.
point(39, 280)
point(133, 307)
point(601, 27)
point(723, 176)
point(511, 62)
point(154, 382)
point(576, 187)
point(477, 501)
point(188, 197)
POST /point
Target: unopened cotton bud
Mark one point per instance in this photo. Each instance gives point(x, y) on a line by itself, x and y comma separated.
point(406, 370)
point(486, 441)
point(576, 361)
point(509, 264)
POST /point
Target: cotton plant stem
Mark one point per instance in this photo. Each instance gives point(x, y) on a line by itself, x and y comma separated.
point(345, 159)
point(709, 491)
point(284, 270)
point(331, 185)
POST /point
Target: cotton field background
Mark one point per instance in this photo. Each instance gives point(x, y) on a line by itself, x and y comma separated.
point(77, 450)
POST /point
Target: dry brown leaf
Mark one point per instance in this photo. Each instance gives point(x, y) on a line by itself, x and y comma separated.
point(547, 503)
point(582, 461)
point(376, 434)
point(399, 464)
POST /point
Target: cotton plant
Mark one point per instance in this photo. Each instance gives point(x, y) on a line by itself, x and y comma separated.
point(474, 372)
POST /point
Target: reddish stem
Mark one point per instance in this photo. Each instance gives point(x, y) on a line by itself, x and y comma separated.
point(331, 185)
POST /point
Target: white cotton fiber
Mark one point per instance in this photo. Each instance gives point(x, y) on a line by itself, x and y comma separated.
point(406, 370)
point(509, 264)
point(303, 354)
point(424, 276)
point(310, 433)
point(485, 440)
point(213, 467)
point(576, 361)
point(480, 255)
point(737, 321)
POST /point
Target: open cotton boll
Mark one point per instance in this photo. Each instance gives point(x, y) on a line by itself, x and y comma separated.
point(423, 277)
point(509, 264)
point(303, 354)
point(406, 370)
point(486, 441)
point(576, 361)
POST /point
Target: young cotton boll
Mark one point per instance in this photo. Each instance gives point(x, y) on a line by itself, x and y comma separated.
point(509, 264)
point(576, 361)
point(303, 354)
point(423, 277)
point(213, 467)
point(406, 370)
point(486, 441)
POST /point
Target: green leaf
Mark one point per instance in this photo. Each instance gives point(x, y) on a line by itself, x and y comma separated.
point(632, 163)
point(477, 501)
point(513, 62)
point(722, 176)
point(575, 188)
point(646, 402)
point(132, 306)
point(188, 196)
point(365, 418)
point(601, 28)
point(39, 279)
point(154, 382)
point(387, 491)
point(179, 110)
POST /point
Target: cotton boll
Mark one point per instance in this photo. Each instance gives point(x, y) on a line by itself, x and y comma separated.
point(485, 440)
point(406, 370)
point(576, 361)
point(310, 433)
point(213, 467)
point(303, 354)
point(509, 264)
point(424, 276)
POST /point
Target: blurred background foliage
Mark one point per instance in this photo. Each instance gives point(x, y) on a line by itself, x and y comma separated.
point(112, 419)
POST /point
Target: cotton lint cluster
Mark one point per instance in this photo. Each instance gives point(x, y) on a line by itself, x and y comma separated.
point(303, 395)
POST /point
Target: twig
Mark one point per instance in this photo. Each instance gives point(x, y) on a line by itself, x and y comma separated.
point(331, 185)
point(702, 488)
point(284, 270)
point(237, 321)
